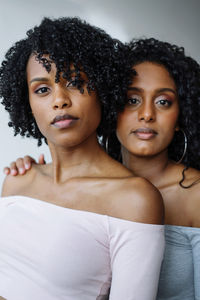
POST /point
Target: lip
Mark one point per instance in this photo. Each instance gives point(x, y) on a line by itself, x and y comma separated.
point(63, 121)
point(144, 133)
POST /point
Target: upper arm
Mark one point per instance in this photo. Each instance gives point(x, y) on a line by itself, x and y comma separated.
point(136, 257)
point(196, 260)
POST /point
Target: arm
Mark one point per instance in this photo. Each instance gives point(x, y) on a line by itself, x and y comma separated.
point(21, 165)
point(193, 212)
point(137, 242)
point(195, 241)
point(136, 251)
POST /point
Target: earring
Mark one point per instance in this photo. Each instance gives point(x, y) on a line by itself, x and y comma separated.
point(185, 146)
point(107, 145)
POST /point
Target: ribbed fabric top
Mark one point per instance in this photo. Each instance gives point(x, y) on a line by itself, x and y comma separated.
point(180, 271)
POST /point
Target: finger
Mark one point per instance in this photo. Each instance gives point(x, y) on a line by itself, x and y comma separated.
point(28, 160)
point(20, 166)
point(6, 170)
point(41, 159)
point(13, 168)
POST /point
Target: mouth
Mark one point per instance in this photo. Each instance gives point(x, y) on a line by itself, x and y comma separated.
point(144, 133)
point(63, 121)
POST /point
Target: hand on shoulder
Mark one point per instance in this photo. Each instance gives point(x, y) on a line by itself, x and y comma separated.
point(14, 185)
point(22, 165)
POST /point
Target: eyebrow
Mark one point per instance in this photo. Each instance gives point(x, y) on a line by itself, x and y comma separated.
point(39, 79)
point(162, 90)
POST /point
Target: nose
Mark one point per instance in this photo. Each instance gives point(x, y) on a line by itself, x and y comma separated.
point(146, 113)
point(61, 98)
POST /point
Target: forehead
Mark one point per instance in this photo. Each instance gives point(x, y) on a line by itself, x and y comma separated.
point(153, 74)
point(35, 68)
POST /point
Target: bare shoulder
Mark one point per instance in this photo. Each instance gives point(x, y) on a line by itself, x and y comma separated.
point(191, 177)
point(191, 185)
point(14, 185)
point(136, 199)
point(191, 196)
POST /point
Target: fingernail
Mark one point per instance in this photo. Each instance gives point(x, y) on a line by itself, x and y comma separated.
point(27, 166)
point(21, 171)
point(13, 172)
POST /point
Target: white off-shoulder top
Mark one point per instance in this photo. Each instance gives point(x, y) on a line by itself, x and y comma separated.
point(48, 252)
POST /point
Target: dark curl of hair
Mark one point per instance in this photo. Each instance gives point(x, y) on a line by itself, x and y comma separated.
point(185, 72)
point(66, 41)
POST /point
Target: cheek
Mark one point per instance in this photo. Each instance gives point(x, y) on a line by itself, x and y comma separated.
point(168, 126)
point(125, 122)
point(92, 113)
point(169, 123)
point(39, 116)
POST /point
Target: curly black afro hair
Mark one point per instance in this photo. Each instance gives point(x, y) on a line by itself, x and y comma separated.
point(185, 72)
point(66, 41)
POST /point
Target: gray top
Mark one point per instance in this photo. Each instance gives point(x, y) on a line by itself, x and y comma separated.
point(180, 271)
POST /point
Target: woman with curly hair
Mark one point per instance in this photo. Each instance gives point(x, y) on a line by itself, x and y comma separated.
point(157, 138)
point(81, 225)
point(158, 130)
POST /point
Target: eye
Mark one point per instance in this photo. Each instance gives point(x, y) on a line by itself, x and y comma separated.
point(134, 100)
point(164, 102)
point(42, 90)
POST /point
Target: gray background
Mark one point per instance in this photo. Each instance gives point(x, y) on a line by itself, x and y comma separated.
point(175, 21)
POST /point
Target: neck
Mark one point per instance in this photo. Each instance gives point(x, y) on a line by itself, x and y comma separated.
point(74, 161)
point(152, 168)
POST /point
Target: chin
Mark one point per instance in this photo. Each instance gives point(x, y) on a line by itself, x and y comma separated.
point(144, 152)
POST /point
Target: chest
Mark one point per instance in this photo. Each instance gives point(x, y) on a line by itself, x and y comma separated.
point(63, 247)
point(83, 195)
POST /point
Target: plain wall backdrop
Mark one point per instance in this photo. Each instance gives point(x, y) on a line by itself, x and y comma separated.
point(175, 21)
